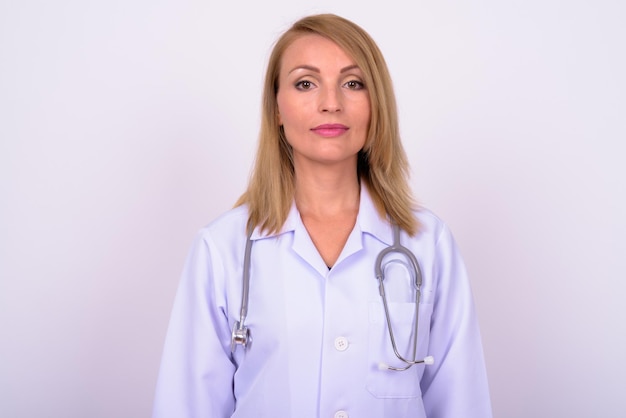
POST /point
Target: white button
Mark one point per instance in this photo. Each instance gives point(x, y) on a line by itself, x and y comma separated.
point(341, 414)
point(341, 344)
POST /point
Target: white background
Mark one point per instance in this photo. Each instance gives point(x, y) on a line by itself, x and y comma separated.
point(127, 125)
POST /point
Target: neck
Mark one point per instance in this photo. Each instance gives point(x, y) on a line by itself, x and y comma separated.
point(327, 191)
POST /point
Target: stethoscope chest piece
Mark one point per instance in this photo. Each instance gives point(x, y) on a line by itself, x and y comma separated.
point(240, 336)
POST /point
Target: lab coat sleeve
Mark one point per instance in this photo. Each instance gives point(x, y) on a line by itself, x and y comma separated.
point(196, 374)
point(456, 384)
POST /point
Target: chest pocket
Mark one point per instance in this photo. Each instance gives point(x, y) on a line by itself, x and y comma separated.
point(391, 383)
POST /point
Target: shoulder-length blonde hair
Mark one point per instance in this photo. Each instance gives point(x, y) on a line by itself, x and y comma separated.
point(382, 163)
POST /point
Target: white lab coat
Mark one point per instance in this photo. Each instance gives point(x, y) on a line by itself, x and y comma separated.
point(319, 334)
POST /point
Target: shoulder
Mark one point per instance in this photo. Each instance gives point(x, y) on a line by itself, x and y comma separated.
point(221, 243)
point(228, 227)
point(435, 238)
point(430, 225)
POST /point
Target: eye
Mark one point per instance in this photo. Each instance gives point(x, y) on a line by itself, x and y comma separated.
point(354, 85)
point(304, 85)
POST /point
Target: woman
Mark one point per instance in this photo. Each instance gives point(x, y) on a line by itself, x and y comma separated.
point(329, 184)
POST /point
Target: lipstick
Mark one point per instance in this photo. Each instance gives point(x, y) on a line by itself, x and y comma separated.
point(330, 130)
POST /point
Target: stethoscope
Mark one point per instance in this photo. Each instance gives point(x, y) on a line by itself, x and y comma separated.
point(241, 333)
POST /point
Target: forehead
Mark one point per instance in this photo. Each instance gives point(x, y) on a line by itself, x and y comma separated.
point(314, 50)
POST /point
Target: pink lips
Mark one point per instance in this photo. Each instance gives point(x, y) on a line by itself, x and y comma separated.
point(330, 130)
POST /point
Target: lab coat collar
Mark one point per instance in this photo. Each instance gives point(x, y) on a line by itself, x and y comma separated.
point(368, 221)
point(293, 218)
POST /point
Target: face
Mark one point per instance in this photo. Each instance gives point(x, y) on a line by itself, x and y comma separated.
point(323, 104)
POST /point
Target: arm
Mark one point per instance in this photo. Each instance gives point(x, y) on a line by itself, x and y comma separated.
point(456, 385)
point(196, 374)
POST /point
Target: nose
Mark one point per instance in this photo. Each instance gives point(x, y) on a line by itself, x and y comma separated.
point(330, 100)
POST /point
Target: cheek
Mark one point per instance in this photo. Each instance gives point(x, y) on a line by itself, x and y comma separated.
point(361, 109)
point(366, 114)
point(287, 114)
point(367, 109)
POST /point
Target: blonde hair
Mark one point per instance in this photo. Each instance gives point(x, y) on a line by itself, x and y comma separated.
point(382, 163)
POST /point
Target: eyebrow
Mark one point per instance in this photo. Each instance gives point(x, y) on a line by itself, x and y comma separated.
point(317, 70)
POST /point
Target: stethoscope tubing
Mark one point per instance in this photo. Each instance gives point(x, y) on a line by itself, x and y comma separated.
point(397, 247)
point(241, 333)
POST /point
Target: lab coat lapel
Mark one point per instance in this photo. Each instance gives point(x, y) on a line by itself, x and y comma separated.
point(353, 245)
point(369, 219)
point(303, 244)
